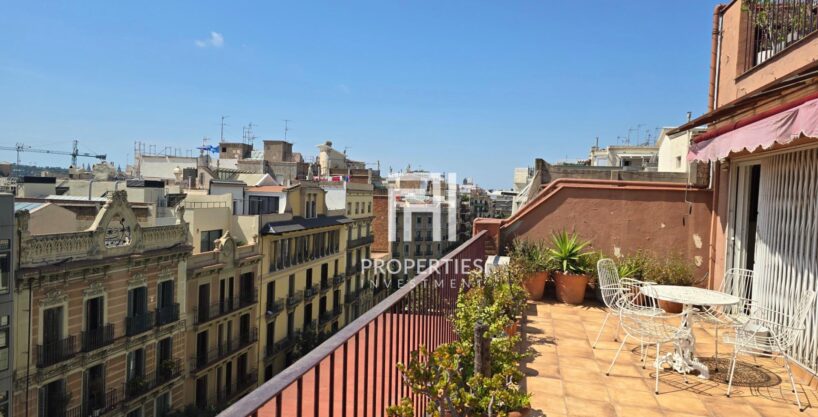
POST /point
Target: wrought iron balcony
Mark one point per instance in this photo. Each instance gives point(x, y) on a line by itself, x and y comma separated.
point(98, 407)
point(274, 308)
point(295, 299)
point(337, 280)
point(361, 241)
point(141, 323)
point(97, 338)
point(310, 292)
point(351, 296)
point(140, 385)
point(51, 353)
point(203, 360)
point(221, 308)
point(167, 314)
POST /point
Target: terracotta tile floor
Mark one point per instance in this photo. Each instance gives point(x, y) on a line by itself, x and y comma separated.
point(566, 377)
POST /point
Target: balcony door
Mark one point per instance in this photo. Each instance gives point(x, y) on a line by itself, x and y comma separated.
point(201, 349)
point(164, 353)
point(137, 301)
point(52, 399)
point(228, 378)
point(164, 295)
point(52, 327)
point(94, 389)
point(204, 302)
point(241, 367)
point(244, 329)
point(246, 286)
point(746, 181)
point(201, 392)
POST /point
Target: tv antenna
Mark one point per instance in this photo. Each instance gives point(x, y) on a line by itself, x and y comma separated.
point(286, 127)
point(221, 135)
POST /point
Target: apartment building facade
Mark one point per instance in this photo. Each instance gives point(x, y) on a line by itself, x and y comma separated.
point(302, 284)
point(222, 317)
point(101, 311)
point(6, 302)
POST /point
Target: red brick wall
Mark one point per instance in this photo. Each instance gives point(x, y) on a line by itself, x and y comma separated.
point(380, 223)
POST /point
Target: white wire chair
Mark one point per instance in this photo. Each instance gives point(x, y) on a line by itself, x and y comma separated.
point(617, 291)
point(737, 282)
point(649, 328)
point(771, 333)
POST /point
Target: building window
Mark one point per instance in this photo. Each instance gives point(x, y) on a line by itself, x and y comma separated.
point(262, 204)
point(5, 271)
point(678, 162)
point(162, 407)
point(4, 346)
point(208, 240)
point(349, 208)
point(369, 207)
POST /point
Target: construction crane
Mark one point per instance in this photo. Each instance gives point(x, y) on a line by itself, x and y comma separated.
point(21, 147)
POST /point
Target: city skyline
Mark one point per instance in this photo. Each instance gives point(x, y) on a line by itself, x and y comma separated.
point(432, 87)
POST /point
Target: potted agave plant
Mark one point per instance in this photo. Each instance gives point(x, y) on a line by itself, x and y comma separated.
point(531, 258)
point(571, 260)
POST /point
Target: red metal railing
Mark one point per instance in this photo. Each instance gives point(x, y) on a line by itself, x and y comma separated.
point(353, 373)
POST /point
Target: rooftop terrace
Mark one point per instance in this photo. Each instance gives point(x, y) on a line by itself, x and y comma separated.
point(566, 377)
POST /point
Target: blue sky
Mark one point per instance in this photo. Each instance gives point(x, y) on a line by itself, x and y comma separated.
point(475, 88)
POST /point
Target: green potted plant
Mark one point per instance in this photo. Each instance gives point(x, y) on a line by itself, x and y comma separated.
point(532, 260)
point(671, 270)
point(446, 377)
point(450, 377)
point(571, 260)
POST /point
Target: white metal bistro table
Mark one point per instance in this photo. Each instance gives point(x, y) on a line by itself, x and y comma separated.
point(684, 358)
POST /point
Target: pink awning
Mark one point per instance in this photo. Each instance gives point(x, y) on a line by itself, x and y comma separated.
point(781, 128)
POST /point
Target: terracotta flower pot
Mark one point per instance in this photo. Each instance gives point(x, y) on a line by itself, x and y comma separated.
point(535, 285)
point(520, 413)
point(570, 288)
point(671, 307)
point(512, 328)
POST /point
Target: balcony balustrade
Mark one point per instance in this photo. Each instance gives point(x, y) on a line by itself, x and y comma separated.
point(203, 360)
point(415, 314)
point(274, 308)
point(97, 338)
point(140, 323)
point(224, 307)
point(310, 292)
point(140, 385)
point(295, 299)
point(168, 314)
point(104, 405)
point(337, 280)
point(55, 352)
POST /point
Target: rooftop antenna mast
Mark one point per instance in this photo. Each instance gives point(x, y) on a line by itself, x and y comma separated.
point(221, 134)
point(286, 127)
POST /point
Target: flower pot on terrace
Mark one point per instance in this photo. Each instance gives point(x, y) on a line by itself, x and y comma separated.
point(512, 328)
point(520, 413)
point(671, 307)
point(535, 285)
point(570, 288)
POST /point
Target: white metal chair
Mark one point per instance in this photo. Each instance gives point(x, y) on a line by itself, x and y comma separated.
point(611, 292)
point(617, 291)
point(737, 282)
point(769, 332)
point(649, 328)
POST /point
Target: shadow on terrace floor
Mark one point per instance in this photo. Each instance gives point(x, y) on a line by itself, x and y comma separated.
point(566, 377)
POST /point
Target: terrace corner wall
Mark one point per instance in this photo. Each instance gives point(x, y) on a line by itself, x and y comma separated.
point(619, 217)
